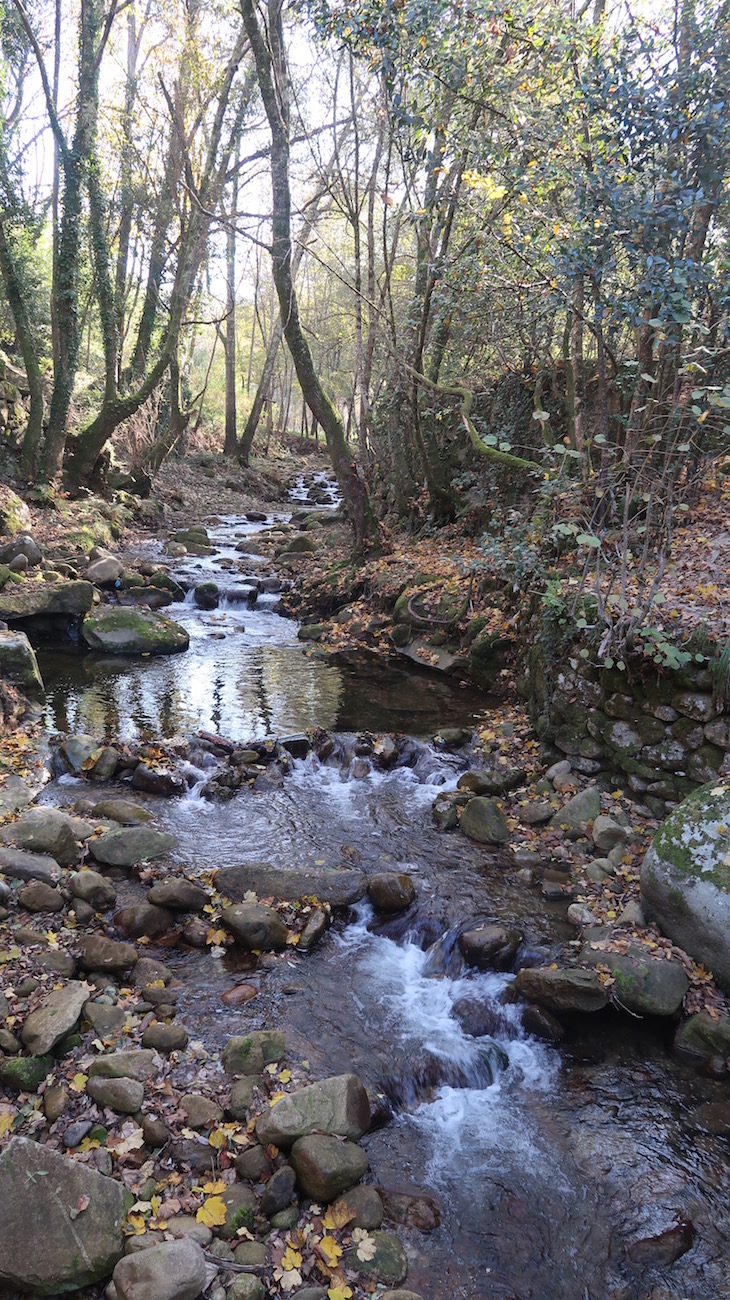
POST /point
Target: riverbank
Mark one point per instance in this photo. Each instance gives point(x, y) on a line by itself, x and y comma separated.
point(518, 865)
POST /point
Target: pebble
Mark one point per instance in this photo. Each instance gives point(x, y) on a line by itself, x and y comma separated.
point(75, 1133)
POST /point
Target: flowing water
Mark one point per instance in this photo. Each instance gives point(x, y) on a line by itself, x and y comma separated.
point(542, 1162)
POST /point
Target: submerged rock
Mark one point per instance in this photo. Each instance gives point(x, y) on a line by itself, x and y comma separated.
point(340, 887)
point(490, 946)
point(685, 878)
point(76, 1246)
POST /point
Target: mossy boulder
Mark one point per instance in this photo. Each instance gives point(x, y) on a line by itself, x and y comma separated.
point(127, 630)
point(14, 513)
point(685, 878)
point(18, 662)
point(27, 599)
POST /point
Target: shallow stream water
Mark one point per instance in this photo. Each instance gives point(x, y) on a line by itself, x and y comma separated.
point(544, 1162)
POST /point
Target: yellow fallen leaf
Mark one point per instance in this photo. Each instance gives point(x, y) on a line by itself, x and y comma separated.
point(136, 1224)
point(285, 1076)
point(217, 1139)
point(340, 1292)
point(212, 1212)
point(6, 1120)
point(338, 1216)
point(331, 1250)
point(291, 1259)
point(277, 1097)
point(214, 1188)
point(79, 1081)
point(216, 937)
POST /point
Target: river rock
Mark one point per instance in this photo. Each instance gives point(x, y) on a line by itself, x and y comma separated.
point(174, 1270)
point(165, 1038)
point(18, 663)
point(325, 1166)
point(104, 571)
point(278, 1191)
point(364, 1206)
point(100, 953)
point(254, 926)
point(143, 919)
point(663, 1249)
point(37, 896)
point(122, 1095)
point(92, 887)
point(248, 1054)
point(483, 820)
point(76, 751)
point(315, 928)
point(157, 781)
point(251, 1165)
point(389, 1264)
point(685, 878)
point(104, 1020)
point(702, 1036)
point(19, 865)
point(584, 807)
point(644, 985)
point(132, 1063)
point(489, 946)
point(338, 887)
point(206, 595)
point(45, 830)
point(608, 834)
point(179, 895)
point(123, 848)
point(149, 971)
point(573, 989)
point(77, 1247)
point(185, 1225)
point(30, 599)
point(129, 630)
point(200, 1111)
point(336, 1106)
point(14, 513)
point(54, 1018)
point(25, 1073)
point(22, 544)
point(391, 891)
point(124, 811)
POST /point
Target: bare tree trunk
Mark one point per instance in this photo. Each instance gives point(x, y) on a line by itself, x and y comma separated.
point(229, 446)
point(271, 72)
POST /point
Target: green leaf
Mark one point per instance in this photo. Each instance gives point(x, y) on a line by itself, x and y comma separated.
point(587, 539)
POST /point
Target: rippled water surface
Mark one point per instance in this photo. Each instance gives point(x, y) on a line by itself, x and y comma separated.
point(544, 1162)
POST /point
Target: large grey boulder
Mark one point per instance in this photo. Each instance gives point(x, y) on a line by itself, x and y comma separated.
point(685, 878)
point(27, 599)
point(573, 989)
point(338, 886)
point(55, 1017)
point(174, 1270)
point(18, 663)
point(255, 927)
point(48, 1243)
point(100, 953)
point(338, 1106)
point(105, 571)
point(484, 821)
point(585, 806)
point(92, 887)
point(19, 865)
point(325, 1166)
point(132, 844)
point(128, 630)
point(644, 985)
point(45, 830)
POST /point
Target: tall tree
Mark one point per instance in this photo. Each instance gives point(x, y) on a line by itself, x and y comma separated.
point(271, 70)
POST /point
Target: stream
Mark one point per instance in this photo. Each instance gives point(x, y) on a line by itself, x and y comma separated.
point(543, 1163)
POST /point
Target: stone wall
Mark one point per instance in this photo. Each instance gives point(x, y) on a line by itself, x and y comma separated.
point(662, 734)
